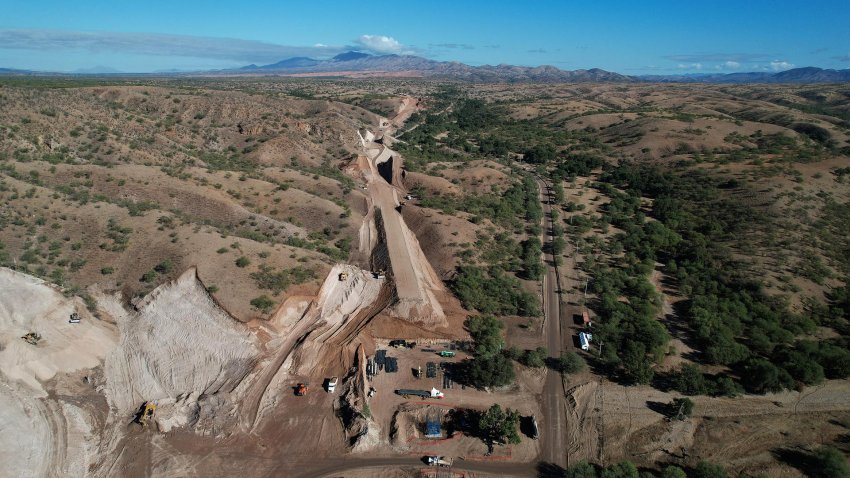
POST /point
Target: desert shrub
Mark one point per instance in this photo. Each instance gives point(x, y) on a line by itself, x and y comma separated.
point(243, 261)
point(262, 303)
point(278, 281)
point(828, 462)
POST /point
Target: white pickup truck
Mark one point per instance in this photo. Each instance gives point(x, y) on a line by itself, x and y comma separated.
point(436, 460)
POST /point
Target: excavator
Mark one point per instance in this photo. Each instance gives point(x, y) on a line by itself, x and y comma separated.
point(146, 414)
point(343, 276)
point(32, 338)
point(301, 389)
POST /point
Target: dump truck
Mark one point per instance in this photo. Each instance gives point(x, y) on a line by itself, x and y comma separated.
point(585, 318)
point(446, 353)
point(407, 393)
point(301, 389)
point(32, 338)
point(535, 430)
point(436, 460)
point(146, 414)
point(332, 384)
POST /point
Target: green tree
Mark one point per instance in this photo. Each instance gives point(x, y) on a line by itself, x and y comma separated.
point(489, 371)
point(582, 470)
point(623, 469)
point(570, 362)
point(486, 331)
point(499, 426)
point(673, 471)
point(708, 470)
point(829, 462)
point(689, 380)
point(534, 358)
point(681, 408)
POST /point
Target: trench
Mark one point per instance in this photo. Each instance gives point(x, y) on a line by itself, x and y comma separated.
point(385, 169)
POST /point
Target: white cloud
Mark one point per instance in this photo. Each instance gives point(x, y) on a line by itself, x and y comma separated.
point(380, 44)
point(731, 65)
point(690, 66)
point(780, 65)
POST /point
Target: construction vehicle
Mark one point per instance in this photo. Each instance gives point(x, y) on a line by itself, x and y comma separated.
point(301, 389)
point(332, 384)
point(343, 276)
point(146, 414)
point(74, 319)
point(32, 338)
point(423, 394)
point(436, 460)
point(446, 353)
point(379, 274)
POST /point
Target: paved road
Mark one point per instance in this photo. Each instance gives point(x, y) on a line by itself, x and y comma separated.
point(554, 448)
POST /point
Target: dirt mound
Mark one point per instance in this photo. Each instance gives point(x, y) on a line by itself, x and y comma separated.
point(178, 342)
point(583, 421)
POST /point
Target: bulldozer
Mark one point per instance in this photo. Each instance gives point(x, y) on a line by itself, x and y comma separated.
point(32, 338)
point(146, 414)
point(343, 276)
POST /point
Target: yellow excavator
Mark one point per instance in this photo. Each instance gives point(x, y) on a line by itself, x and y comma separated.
point(146, 414)
point(32, 338)
point(343, 276)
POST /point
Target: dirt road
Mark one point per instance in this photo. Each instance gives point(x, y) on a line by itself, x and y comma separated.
point(554, 449)
point(339, 467)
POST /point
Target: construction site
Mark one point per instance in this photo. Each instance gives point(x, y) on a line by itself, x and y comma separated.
point(340, 350)
point(150, 388)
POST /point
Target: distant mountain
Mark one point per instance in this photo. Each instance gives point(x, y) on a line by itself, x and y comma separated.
point(15, 71)
point(96, 70)
point(359, 62)
point(808, 74)
point(350, 55)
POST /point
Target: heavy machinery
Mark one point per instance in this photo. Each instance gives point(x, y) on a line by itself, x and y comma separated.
point(32, 338)
point(146, 414)
point(301, 389)
point(332, 384)
point(436, 460)
point(407, 393)
point(446, 353)
point(74, 319)
point(343, 276)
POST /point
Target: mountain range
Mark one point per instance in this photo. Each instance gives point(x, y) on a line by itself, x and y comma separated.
point(353, 62)
point(359, 64)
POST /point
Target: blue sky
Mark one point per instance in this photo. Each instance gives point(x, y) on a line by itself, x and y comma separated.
point(632, 37)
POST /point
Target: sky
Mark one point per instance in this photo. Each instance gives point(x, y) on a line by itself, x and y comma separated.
point(630, 37)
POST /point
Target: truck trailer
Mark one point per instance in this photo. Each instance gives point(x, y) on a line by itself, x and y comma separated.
point(407, 393)
point(584, 340)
